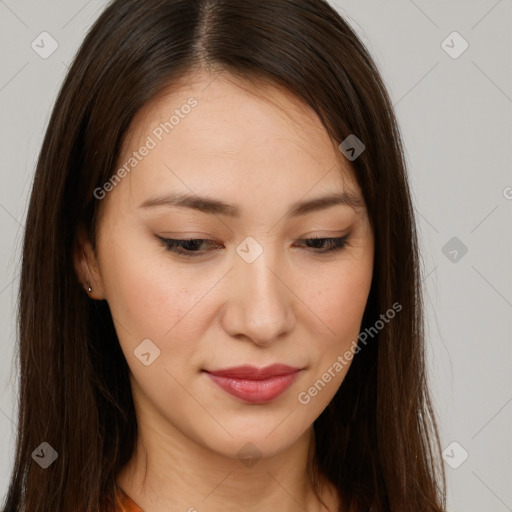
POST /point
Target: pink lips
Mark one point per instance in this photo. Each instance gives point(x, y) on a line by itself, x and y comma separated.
point(255, 385)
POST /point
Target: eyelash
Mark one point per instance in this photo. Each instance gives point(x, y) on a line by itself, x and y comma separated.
point(176, 245)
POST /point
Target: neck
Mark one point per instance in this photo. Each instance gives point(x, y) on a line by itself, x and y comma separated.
point(171, 473)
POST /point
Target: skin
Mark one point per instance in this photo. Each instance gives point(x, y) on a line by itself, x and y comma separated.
point(261, 149)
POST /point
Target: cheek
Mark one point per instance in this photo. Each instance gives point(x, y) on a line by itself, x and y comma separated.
point(151, 300)
point(338, 298)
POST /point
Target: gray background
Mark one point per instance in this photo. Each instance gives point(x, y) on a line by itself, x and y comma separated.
point(455, 117)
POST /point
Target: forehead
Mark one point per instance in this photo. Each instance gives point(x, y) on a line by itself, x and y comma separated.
point(211, 132)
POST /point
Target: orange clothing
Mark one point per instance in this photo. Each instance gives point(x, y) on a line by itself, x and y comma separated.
point(125, 504)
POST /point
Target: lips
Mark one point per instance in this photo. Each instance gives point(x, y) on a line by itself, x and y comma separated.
point(253, 373)
point(255, 385)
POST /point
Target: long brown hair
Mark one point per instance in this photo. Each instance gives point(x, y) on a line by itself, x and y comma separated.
point(377, 441)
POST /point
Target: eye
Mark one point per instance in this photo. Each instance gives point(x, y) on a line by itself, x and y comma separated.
point(186, 247)
point(191, 247)
point(323, 245)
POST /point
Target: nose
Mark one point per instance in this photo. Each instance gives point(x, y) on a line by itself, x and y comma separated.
point(260, 304)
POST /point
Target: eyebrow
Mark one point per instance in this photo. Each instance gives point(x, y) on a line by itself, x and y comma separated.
point(218, 207)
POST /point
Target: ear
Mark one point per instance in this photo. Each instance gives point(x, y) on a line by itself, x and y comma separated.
point(86, 264)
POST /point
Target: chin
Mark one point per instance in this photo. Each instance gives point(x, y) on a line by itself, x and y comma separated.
point(251, 444)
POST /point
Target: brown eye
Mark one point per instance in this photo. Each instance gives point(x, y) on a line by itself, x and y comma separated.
point(186, 247)
point(326, 244)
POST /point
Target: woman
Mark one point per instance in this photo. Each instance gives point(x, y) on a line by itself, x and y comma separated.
point(220, 300)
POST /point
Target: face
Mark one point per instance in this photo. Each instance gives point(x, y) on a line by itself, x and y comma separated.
point(204, 255)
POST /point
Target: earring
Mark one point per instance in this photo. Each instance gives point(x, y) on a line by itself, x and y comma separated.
point(89, 289)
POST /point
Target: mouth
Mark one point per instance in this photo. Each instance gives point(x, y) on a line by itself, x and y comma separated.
point(255, 385)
